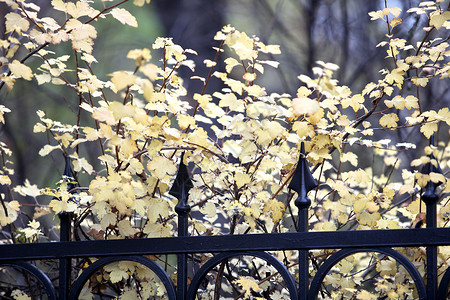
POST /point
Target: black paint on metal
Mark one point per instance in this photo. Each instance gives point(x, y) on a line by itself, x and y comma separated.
point(180, 190)
point(430, 197)
point(302, 182)
point(65, 264)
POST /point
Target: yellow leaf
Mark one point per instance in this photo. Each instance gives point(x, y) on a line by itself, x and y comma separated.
point(369, 219)
point(156, 208)
point(437, 177)
point(139, 55)
point(394, 22)
point(242, 45)
point(429, 128)
point(389, 120)
point(47, 149)
point(203, 100)
point(91, 133)
point(345, 266)
point(304, 105)
point(82, 163)
point(241, 179)
point(355, 102)
point(398, 102)
point(125, 228)
point(272, 49)
point(123, 79)
point(117, 275)
point(247, 285)
point(157, 229)
point(148, 90)
point(4, 179)
point(82, 35)
point(124, 16)
point(209, 63)
point(276, 208)
point(444, 115)
point(303, 129)
point(420, 81)
point(78, 9)
point(140, 2)
point(199, 227)
point(64, 139)
point(437, 20)
point(20, 295)
point(15, 22)
point(230, 100)
point(161, 167)
point(120, 111)
point(20, 70)
point(376, 15)
point(395, 11)
point(209, 209)
point(128, 147)
point(230, 64)
point(185, 121)
point(250, 77)
point(43, 78)
point(411, 102)
point(350, 157)
point(232, 147)
point(395, 77)
point(387, 267)
point(103, 114)
point(60, 205)
point(422, 179)
point(14, 205)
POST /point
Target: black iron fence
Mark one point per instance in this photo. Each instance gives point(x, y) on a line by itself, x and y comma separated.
point(226, 247)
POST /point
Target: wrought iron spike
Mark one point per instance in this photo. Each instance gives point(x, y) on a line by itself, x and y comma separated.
point(180, 188)
point(429, 195)
point(302, 182)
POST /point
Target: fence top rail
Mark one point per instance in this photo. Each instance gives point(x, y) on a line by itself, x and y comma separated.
point(230, 243)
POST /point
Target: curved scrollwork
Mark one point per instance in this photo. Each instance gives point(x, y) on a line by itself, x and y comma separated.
point(210, 264)
point(444, 285)
point(338, 256)
point(38, 274)
point(157, 269)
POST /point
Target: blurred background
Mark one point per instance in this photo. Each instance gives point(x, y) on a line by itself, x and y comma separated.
point(337, 31)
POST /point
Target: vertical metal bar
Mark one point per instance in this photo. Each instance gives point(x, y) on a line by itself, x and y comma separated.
point(302, 182)
point(182, 271)
point(65, 264)
point(303, 262)
point(430, 197)
point(431, 256)
point(180, 190)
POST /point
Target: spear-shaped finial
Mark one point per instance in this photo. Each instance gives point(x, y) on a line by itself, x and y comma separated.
point(180, 188)
point(430, 195)
point(302, 182)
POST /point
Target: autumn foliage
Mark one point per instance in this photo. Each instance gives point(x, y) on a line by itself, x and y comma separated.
point(240, 143)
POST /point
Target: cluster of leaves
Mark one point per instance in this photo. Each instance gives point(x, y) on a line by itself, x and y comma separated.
point(240, 143)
